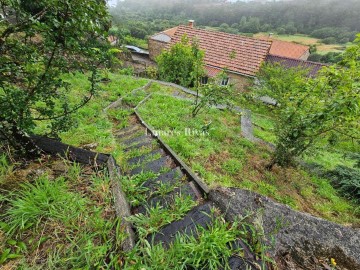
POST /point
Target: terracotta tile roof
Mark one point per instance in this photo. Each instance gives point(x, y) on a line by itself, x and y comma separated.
point(171, 32)
point(248, 53)
point(288, 49)
point(211, 71)
point(313, 67)
point(165, 36)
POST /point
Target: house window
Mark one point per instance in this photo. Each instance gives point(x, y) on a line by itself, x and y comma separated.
point(204, 80)
point(224, 81)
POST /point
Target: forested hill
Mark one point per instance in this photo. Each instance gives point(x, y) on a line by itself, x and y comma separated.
point(301, 16)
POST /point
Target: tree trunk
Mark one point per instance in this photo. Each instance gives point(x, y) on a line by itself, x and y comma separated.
point(18, 139)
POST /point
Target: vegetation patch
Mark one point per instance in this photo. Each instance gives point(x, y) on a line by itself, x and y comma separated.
point(157, 216)
point(223, 157)
point(210, 250)
point(61, 218)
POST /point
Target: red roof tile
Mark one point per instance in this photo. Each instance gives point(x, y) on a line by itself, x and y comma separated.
point(212, 72)
point(236, 53)
point(288, 49)
point(170, 32)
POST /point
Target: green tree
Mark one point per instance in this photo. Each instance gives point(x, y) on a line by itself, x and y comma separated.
point(310, 110)
point(213, 93)
point(182, 63)
point(290, 28)
point(39, 43)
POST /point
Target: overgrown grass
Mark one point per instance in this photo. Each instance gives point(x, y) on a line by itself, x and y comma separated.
point(133, 187)
point(157, 216)
point(210, 250)
point(64, 222)
point(6, 168)
point(223, 157)
point(93, 125)
point(42, 201)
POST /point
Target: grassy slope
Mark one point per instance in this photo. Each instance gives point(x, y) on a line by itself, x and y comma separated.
point(94, 125)
point(222, 158)
point(225, 158)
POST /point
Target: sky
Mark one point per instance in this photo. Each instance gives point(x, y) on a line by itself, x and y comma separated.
point(112, 2)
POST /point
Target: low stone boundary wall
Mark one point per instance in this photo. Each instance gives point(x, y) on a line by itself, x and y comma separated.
point(300, 236)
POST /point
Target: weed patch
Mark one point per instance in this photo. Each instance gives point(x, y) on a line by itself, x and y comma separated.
point(63, 222)
point(157, 217)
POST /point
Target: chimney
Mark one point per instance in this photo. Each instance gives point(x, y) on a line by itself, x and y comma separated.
point(191, 23)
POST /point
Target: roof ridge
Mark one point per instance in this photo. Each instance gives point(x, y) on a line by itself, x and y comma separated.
point(223, 33)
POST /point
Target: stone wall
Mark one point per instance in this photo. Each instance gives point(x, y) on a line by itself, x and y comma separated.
point(155, 48)
point(302, 241)
point(240, 82)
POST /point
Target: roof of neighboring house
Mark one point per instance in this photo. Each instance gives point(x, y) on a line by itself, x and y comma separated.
point(165, 36)
point(171, 32)
point(288, 49)
point(238, 54)
point(313, 67)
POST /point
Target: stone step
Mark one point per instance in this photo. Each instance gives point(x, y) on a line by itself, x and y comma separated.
point(136, 140)
point(128, 130)
point(131, 135)
point(153, 166)
point(199, 216)
point(164, 201)
point(139, 145)
point(140, 159)
point(170, 178)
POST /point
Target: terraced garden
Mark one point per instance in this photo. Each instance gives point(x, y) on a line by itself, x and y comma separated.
point(211, 144)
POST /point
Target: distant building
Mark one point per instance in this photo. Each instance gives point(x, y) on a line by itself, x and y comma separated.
point(240, 56)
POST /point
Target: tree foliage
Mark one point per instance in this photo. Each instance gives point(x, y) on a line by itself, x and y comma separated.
point(321, 18)
point(39, 43)
point(310, 109)
point(182, 63)
point(213, 94)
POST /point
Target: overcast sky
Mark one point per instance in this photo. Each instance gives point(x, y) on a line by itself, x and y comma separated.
point(112, 2)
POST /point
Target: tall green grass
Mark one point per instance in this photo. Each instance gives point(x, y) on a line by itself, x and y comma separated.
point(209, 250)
point(43, 200)
point(57, 224)
point(6, 168)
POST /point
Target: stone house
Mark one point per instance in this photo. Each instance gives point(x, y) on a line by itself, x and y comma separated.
point(240, 56)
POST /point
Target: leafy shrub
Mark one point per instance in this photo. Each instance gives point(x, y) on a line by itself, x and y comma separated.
point(347, 180)
point(127, 71)
point(329, 40)
point(151, 72)
point(281, 31)
point(330, 57)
